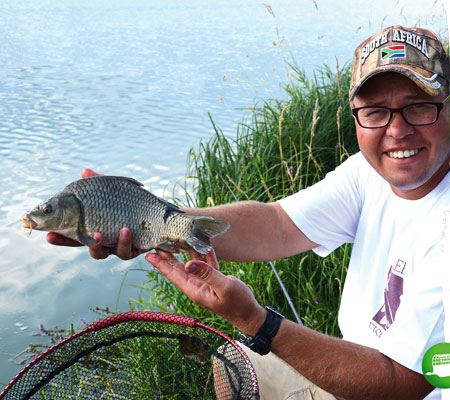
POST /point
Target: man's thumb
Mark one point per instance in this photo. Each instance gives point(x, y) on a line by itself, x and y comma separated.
point(86, 173)
point(200, 269)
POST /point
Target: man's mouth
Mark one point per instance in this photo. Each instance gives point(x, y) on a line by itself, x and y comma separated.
point(403, 153)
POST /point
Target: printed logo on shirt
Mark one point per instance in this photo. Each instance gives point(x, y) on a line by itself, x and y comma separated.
point(436, 365)
point(393, 291)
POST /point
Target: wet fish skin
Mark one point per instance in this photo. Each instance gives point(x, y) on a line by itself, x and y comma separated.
point(108, 203)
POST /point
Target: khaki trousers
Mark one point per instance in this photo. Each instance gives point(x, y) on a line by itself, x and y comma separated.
point(277, 380)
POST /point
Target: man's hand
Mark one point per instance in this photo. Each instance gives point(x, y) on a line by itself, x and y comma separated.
point(201, 280)
point(124, 248)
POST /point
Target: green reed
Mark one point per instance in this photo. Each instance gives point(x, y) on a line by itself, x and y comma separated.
point(280, 147)
point(139, 367)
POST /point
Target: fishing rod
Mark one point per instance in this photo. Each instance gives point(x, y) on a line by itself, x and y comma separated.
point(277, 275)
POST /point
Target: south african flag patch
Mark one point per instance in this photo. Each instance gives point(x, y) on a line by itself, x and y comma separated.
point(397, 51)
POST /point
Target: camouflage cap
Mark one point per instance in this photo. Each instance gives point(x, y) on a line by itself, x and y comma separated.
point(414, 52)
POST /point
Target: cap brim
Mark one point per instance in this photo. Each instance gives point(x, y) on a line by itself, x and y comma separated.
point(430, 83)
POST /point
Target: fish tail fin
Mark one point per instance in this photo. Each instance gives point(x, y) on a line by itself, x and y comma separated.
point(203, 229)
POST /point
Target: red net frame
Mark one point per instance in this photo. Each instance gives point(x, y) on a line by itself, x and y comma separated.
point(231, 374)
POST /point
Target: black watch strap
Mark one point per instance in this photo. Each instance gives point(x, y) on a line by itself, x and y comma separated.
point(260, 343)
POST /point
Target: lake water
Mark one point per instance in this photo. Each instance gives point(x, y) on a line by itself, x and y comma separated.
point(125, 88)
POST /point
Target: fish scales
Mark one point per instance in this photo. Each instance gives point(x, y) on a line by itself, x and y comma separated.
point(135, 208)
point(108, 203)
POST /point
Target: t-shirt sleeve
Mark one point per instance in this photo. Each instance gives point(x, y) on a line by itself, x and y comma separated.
point(328, 212)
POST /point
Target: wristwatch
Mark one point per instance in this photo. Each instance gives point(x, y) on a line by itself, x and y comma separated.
point(260, 343)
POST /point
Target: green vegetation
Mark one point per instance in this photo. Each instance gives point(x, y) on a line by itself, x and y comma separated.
point(132, 359)
point(282, 146)
point(285, 145)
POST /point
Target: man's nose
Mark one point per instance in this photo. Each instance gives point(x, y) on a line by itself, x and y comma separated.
point(398, 128)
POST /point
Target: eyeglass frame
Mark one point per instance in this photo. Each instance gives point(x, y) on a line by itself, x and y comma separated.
point(439, 106)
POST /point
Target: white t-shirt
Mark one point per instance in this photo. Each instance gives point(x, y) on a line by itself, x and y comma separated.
point(392, 297)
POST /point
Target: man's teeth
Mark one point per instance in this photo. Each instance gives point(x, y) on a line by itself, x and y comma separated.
point(403, 154)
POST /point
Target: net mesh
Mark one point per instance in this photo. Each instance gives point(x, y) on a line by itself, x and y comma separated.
point(139, 356)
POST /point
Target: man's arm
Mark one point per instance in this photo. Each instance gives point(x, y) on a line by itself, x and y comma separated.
point(258, 232)
point(346, 369)
point(342, 368)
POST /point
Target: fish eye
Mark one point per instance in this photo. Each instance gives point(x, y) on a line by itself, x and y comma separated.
point(47, 209)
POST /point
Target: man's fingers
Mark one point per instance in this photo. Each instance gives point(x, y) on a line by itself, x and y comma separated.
point(211, 259)
point(198, 267)
point(207, 274)
point(196, 280)
point(164, 254)
point(97, 250)
point(88, 172)
point(194, 255)
point(59, 240)
point(124, 248)
point(224, 295)
point(170, 267)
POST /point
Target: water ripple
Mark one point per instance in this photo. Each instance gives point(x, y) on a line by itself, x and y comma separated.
point(126, 89)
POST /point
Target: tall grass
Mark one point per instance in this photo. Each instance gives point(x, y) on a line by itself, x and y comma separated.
point(281, 146)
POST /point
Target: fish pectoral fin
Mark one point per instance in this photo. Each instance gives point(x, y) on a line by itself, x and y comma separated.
point(168, 246)
point(84, 238)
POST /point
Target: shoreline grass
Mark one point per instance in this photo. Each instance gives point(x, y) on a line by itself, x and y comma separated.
point(280, 147)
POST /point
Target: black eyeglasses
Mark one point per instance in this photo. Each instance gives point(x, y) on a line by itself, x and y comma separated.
point(417, 114)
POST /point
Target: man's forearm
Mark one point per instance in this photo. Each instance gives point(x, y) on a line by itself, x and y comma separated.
point(346, 369)
point(342, 368)
point(258, 232)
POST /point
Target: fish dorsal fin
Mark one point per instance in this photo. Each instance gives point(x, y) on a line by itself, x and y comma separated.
point(132, 180)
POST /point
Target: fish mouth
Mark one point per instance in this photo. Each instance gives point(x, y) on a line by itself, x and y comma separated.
point(28, 223)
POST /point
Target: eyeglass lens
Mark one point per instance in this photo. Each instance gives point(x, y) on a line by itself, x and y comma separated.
point(414, 114)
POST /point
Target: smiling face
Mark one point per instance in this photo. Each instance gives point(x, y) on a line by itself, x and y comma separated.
point(412, 159)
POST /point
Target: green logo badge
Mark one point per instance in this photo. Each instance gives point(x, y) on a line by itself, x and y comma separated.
point(436, 365)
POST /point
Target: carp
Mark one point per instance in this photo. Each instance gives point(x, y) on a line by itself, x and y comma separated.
point(106, 204)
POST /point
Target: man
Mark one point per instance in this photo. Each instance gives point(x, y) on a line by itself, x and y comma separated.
point(388, 200)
